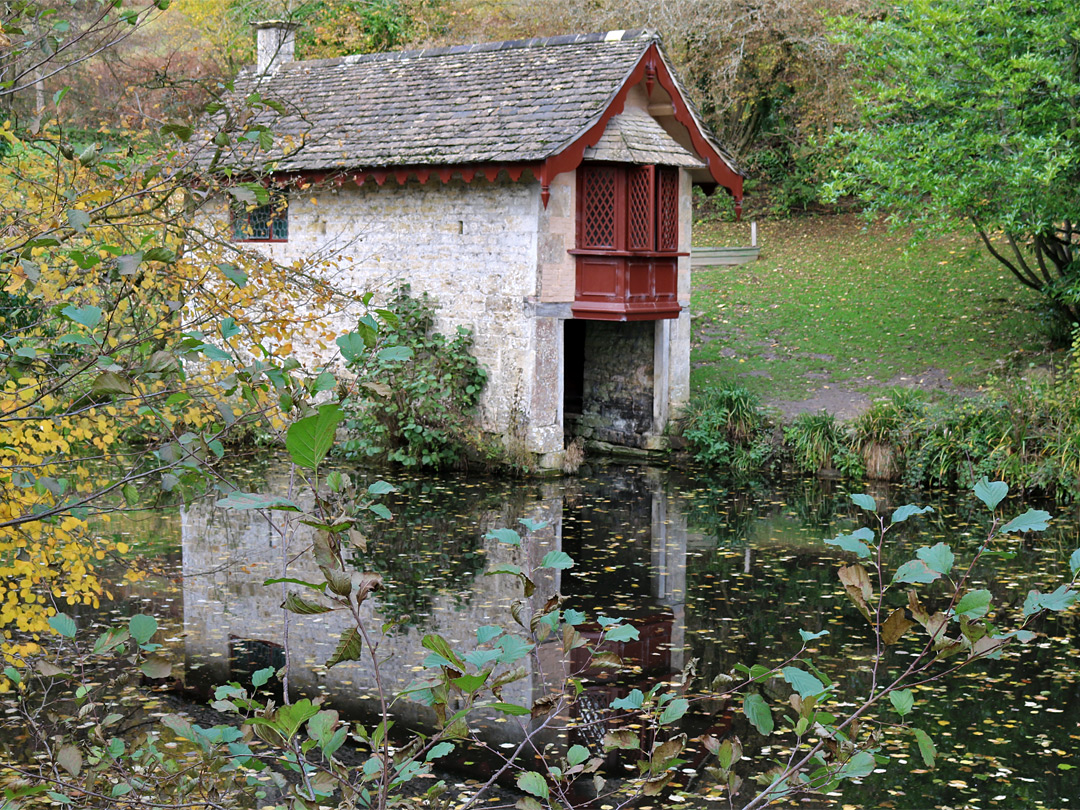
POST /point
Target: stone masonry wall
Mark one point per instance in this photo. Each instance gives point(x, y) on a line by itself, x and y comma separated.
point(618, 392)
point(473, 247)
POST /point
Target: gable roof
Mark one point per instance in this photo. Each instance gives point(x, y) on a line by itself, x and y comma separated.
point(525, 101)
point(633, 136)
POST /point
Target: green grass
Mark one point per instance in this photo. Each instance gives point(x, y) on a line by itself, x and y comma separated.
point(832, 303)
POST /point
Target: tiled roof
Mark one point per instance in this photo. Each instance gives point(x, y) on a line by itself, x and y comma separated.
point(633, 136)
point(499, 102)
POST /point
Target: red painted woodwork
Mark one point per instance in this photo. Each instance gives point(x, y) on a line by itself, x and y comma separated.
point(628, 240)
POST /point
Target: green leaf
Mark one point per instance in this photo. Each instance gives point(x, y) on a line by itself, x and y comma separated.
point(806, 635)
point(394, 354)
point(79, 220)
point(438, 644)
point(853, 542)
point(902, 701)
point(534, 783)
point(757, 712)
point(622, 632)
point(510, 708)
point(88, 316)
point(573, 617)
point(109, 383)
point(380, 510)
point(353, 347)
point(1061, 599)
point(253, 500)
point(63, 624)
point(532, 525)
point(802, 682)
point(513, 649)
point(859, 766)
point(674, 710)
point(234, 274)
point(380, 488)
point(349, 647)
point(558, 560)
point(156, 668)
point(229, 328)
point(439, 750)
point(487, 632)
point(635, 700)
point(864, 502)
point(926, 747)
point(1033, 520)
point(469, 683)
point(294, 604)
point(1074, 562)
point(508, 536)
point(991, 493)
point(576, 755)
point(310, 439)
point(937, 558)
point(260, 677)
point(974, 604)
point(915, 571)
point(904, 512)
point(142, 627)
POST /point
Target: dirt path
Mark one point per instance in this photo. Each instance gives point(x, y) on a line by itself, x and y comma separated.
point(846, 403)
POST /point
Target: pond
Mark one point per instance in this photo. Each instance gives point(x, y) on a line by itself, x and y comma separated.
point(708, 572)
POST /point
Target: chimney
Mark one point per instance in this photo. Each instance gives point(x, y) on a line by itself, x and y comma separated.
point(275, 44)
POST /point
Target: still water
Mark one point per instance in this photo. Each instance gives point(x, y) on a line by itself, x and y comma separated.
point(707, 572)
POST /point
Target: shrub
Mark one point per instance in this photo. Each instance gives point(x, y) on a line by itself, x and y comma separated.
point(726, 427)
point(414, 401)
point(817, 442)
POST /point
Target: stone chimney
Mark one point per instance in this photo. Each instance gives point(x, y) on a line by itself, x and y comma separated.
point(275, 44)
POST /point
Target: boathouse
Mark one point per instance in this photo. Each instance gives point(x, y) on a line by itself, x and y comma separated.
point(539, 190)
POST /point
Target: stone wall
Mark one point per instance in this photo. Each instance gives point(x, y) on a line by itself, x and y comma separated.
point(617, 401)
point(473, 247)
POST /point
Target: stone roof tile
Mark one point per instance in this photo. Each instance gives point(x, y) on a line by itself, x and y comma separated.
point(517, 101)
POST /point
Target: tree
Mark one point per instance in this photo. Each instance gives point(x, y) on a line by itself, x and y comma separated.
point(970, 113)
point(135, 342)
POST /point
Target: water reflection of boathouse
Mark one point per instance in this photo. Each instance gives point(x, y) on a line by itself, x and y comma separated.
point(234, 623)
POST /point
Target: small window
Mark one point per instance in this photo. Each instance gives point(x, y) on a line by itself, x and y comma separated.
point(262, 223)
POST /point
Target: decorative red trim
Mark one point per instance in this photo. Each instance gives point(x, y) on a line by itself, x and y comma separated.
point(467, 172)
point(572, 155)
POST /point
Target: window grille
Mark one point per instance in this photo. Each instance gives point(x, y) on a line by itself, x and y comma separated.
point(262, 223)
point(600, 207)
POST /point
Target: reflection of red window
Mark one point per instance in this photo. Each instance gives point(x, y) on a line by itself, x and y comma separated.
point(627, 243)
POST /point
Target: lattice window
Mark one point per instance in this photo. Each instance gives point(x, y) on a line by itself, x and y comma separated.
point(598, 188)
point(639, 192)
point(667, 204)
point(262, 223)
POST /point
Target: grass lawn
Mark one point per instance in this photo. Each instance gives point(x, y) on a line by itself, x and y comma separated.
point(834, 304)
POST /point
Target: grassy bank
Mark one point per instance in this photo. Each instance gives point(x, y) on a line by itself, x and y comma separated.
point(838, 309)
